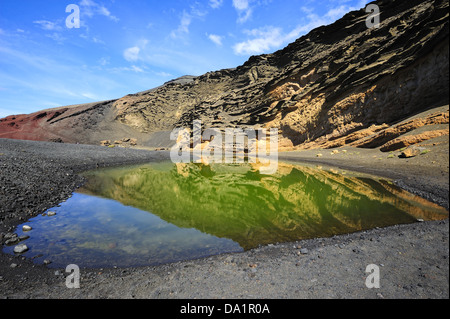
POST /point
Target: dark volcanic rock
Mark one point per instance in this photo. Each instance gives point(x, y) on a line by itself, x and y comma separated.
point(337, 80)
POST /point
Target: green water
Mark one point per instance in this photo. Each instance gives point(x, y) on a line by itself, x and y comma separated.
point(165, 212)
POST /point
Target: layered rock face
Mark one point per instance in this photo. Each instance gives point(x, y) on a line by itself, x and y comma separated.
point(339, 84)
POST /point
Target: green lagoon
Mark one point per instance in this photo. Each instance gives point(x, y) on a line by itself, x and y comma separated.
point(164, 212)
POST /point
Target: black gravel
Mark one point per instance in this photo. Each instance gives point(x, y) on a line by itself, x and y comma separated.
point(35, 176)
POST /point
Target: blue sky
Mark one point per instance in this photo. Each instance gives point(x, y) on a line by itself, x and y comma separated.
point(124, 47)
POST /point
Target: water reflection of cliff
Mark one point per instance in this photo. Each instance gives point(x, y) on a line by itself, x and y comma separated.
point(237, 202)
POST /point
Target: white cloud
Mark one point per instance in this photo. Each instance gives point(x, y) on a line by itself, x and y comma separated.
point(48, 25)
point(134, 53)
point(52, 27)
point(136, 69)
point(244, 10)
point(90, 8)
point(87, 3)
point(131, 54)
point(269, 38)
point(183, 28)
point(265, 39)
point(90, 96)
point(217, 39)
point(240, 4)
point(196, 11)
point(104, 61)
point(104, 11)
point(56, 37)
point(97, 40)
point(215, 3)
point(132, 68)
point(164, 74)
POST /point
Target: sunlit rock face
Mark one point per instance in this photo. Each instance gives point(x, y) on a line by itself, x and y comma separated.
point(343, 82)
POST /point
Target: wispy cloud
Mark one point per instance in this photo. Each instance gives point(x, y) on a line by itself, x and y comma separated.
point(264, 39)
point(183, 27)
point(243, 9)
point(90, 96)
point(90, 8)
point(164, 74)
point(104, 61)
point(131, 54)
point(56, 36)
point(217, 39)
point(215, 3)
point(132, 68)
point(268, 38)
point(196, 11)
point(49, 25)
point(41, 78)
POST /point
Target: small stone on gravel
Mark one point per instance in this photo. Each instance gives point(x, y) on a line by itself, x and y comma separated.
point(20, 249)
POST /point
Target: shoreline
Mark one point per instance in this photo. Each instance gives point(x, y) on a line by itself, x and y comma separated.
point(39, 175)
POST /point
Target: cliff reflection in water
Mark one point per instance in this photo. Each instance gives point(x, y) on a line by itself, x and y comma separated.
point(236, 202)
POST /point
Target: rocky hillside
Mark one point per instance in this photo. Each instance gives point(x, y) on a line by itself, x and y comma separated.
point(340, 84)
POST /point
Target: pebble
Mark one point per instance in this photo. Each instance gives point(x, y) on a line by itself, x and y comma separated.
point(24, 237)
point(46, 262)
point(13, 265)
point(229, 259)
point(12, 241)
point(26, 228)
point(20, 248)
point(304, 251)
point(51, 214)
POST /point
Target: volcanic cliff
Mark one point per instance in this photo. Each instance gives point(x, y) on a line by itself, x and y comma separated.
point(341, 84)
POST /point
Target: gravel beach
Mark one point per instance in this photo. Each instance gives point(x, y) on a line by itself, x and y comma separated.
point(413, 259)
